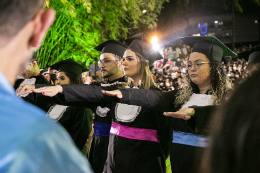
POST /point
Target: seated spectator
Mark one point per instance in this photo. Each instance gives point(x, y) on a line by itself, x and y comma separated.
point(178, 62)
point(86, 78)
point(169, 63)
point(172, 54)
point(178, 50)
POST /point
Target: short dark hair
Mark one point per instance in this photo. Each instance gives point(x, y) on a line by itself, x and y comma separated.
point(15, 14)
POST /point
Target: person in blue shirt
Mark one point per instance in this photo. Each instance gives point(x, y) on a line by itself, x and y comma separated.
point(30, 142)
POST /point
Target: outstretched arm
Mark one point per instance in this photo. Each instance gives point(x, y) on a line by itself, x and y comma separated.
point(78, 93)
point(153, 99)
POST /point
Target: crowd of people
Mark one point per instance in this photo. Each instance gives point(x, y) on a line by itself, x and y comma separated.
point(197, 105)
point(169, 72)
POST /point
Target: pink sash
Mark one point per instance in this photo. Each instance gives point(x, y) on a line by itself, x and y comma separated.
point(134, 133)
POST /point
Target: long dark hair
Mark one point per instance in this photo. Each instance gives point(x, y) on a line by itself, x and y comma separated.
point(74, 78)
point(235, 140)
point(220, 84)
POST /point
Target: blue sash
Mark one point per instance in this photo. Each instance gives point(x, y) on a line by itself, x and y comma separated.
point(102, 129)
point(190, 139)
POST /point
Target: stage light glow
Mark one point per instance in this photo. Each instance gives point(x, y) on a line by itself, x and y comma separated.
point(154, 40)
point(156, 47)
point(216, 22)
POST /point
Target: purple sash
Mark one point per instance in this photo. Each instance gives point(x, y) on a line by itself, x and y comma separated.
point(134, 133)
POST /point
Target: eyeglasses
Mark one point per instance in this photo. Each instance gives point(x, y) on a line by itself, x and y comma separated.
point(104, 62)
point(196, 65)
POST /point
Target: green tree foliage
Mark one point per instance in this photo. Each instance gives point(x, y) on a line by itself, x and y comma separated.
point(80, 25)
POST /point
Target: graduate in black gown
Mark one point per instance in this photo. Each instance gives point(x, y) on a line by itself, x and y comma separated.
point(76, 120)
point(191, 106)
point(139, 136)
point(32, 75)
point(111, 70)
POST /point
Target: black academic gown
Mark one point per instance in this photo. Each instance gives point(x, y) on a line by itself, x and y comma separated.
point(78, 123)
point(103, 118)
point(76, 120)
point(40, 79)
point(182, 156)
point(124, 154)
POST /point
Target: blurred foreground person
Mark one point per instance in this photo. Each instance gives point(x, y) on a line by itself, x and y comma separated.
point(30, 142)
point(234, 144)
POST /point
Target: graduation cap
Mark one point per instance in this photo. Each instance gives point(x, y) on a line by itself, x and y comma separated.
point(209, 46)
point(69, 66)
point(112, 46)
point(139, 36)
point(140, 44)
point(251, 55)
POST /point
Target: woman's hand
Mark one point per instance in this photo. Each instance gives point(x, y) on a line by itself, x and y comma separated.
point(115, 93)
point(184, 113)
point(49, 90)
point(25, 89)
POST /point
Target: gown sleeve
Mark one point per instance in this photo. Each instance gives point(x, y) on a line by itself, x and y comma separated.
point(39, 98)
point(165, 133)
point(198, 123)
point(163, 101)
point(86, 124)
point(85, 95)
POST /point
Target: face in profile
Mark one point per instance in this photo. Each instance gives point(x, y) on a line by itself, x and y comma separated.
point(129, 63)
point(199, 69)
point(29, 70)
point(62, 79)
point(47, 76)
point(108, 65)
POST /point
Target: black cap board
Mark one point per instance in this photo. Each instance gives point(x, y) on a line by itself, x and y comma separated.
point(69, 66)
point(209, 46)
point(112, 46)
point(251, 55)
point(140, 44)
point(139, 36)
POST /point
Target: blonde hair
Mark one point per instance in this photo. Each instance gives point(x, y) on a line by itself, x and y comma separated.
point(146, 79)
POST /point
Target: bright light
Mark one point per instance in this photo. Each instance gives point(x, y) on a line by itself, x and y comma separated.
point(144, 11)
point(216, 22)
point(255, 21)
point(156, 47)
point(154, 40)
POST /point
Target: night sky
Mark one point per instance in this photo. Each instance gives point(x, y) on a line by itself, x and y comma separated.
point(174, 15)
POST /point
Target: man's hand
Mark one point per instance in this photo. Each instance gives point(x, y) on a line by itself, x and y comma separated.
point(184, 113)
point(49, 90)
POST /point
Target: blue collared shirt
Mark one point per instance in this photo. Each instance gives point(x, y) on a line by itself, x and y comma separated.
point(30, 142)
